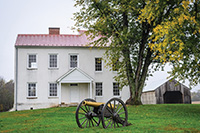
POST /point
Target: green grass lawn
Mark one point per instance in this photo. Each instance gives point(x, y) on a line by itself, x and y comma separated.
point(145, 118)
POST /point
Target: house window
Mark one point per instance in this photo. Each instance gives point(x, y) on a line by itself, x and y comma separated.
point(32, 61)
point(98, 64)
point(32, 89)
point(73, 61)
point(98, 89)
point(116, 89)
point(53, 61)
point(53, 89)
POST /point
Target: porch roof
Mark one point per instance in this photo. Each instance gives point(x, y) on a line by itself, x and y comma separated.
point(75, 75)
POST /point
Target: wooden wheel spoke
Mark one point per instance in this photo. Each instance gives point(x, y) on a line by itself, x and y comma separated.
point(83, 122)
point(109, 110)
point(86, 108)
point(90, 108)
point(117, 124)
point(121, 124)
point(82, 118)
point(108, 123)
point(83, 109)
point(121, 113)
point(111, 107)
point(81, 113)
point(86, 123)
point(112, 124)
point(119, 109)
point(95, 121)
point(107, 119)
point(114, 107)
point(92, 123)
point(122, 118)
point(117, 106)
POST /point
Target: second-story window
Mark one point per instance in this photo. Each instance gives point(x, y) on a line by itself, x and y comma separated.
point(73, 61)
point(32, 61)
point(98, 64)
point(53, 61)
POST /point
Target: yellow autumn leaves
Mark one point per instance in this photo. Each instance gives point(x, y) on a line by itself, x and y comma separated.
point(165, 39)
point(185, 4)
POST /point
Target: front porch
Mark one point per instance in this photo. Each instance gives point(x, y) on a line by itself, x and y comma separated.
point(74, 86)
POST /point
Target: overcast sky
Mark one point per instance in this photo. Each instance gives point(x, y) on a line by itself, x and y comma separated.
point(29, 17)
point(35, 17)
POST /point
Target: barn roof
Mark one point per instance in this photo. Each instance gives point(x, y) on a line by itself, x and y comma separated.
point(162, 82)
point(56, 40)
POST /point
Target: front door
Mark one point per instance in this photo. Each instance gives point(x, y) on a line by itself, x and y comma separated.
point(74, 94)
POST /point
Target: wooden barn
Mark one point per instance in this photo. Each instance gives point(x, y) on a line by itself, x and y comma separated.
point(171, 92)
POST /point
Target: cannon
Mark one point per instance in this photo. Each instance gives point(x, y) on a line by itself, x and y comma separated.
point(90, 113)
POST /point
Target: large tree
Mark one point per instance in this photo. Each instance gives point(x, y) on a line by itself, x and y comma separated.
point(137, 37)
point(181, 28)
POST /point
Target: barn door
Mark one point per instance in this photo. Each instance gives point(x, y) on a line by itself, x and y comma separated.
point(173, 97)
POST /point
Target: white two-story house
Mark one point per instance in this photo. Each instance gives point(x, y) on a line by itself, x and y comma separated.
point(54, 69)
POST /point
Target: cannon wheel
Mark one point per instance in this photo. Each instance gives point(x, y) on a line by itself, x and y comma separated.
point(84, 116)
point(114, 113)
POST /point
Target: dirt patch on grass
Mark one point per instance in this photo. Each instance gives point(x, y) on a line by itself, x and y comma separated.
point(171, 128)
point(6, 131)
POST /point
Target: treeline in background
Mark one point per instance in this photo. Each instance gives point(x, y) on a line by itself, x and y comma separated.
point(6, 95)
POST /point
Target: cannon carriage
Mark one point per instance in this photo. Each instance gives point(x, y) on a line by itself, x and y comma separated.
point(90, 113)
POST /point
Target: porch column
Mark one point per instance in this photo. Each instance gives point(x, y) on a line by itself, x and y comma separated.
point(59, 92)
point(90, 89)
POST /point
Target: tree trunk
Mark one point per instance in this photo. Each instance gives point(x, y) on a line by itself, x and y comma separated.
point(136, 83)
point(136, 100)
point(136, 89)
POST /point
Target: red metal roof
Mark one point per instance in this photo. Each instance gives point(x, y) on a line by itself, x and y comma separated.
point(52, 40)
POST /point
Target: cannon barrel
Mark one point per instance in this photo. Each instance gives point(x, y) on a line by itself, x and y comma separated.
point(95, 104)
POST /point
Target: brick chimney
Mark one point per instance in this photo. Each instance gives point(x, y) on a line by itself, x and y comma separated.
point(54, 31)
